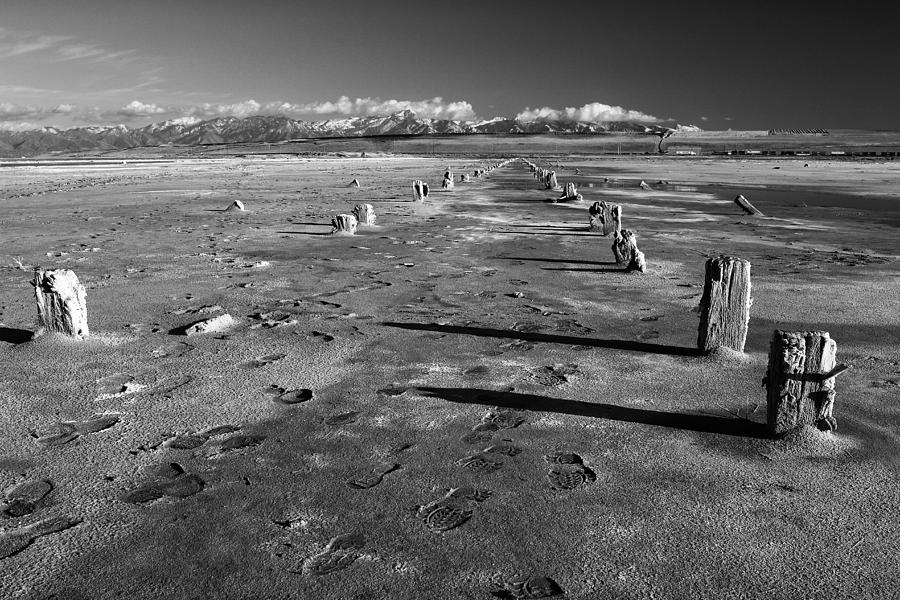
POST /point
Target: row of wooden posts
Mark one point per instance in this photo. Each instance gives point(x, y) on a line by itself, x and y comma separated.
point(364, 214)
point(801, 372)
point(802, 364)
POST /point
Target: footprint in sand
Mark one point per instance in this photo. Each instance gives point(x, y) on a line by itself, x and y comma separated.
point(505, 448)
point(240, 442)
point(25, 498)
point(263, 360)
point(14, 541)
point(113, 384)
point(297, 396)
point(343, 418)
point(454, 509)
point(322, 336)
point(366, 479)
point(480, 464)
point(477, 371)
point(68, 431)
point(526, 589)
point(495, 420)
point(167, 479)
point(392, 391)
point(341, 552)
point(568, 471)
point(190, 441)
point(554, 375)
point(172, 350)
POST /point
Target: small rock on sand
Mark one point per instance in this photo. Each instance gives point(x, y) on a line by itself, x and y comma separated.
point(213, 325)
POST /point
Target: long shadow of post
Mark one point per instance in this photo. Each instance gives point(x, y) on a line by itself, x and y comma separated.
point(691, 422)
point(551, 338)
point(15, 336)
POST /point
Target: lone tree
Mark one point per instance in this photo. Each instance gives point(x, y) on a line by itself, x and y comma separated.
point(662, 133)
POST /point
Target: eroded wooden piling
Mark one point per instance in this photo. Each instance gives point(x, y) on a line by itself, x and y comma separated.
point(725, 304)
point(61, 303)
point(800, 381)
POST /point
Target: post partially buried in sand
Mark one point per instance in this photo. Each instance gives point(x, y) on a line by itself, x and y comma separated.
point(625, 250)
point(364, 213)
point(343, 224)
point(61, 303)
point(605, 217)
point(420, 190)
point(800, 381)
point(725, 304)
point(570, 194)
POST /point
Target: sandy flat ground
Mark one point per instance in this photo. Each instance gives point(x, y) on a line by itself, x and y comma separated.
point(456, 345)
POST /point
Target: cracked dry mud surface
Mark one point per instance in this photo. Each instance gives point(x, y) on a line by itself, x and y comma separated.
point(467, 400)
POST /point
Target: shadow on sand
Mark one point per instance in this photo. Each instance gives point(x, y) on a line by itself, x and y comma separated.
point(690, 422)
point(304, 232)
point(551, 338)
point(558, 260)
point(15, 336)
point(619, 270)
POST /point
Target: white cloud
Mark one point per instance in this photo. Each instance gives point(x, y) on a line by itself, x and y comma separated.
point(19, 112)
point(136, 108)
point(433, 108)
point(17, 43)
point(595, 112)
point(210, 111)
point(18, 126)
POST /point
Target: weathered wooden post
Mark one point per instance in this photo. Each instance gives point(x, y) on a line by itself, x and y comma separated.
point(420, 190)
point(725, 304)
point(364, 213)
point(464, 178)
point(343, 223)
point(61, 303)
point(551, 181)
point(605, 217)
point(447, 183)
point(644, 186)
point(748, 208)
point(800, 381)
point(625, 250)
point(570, 194)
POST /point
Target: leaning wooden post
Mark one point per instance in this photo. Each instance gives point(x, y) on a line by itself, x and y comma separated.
point(625, 250)
point(725, 304)
point(748, 208)
point(344, 223)
point(364, 213)
point(420, 190)
point(447, 183)
point(61, 303)
point(605, 217)
point(800, 381)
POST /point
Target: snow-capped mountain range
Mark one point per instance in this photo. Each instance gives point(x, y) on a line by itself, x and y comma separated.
point(225, 130)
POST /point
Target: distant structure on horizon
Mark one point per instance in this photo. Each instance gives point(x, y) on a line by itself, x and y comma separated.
point(799, 132)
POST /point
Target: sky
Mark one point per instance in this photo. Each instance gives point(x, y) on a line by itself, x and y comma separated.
point(752, 65)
